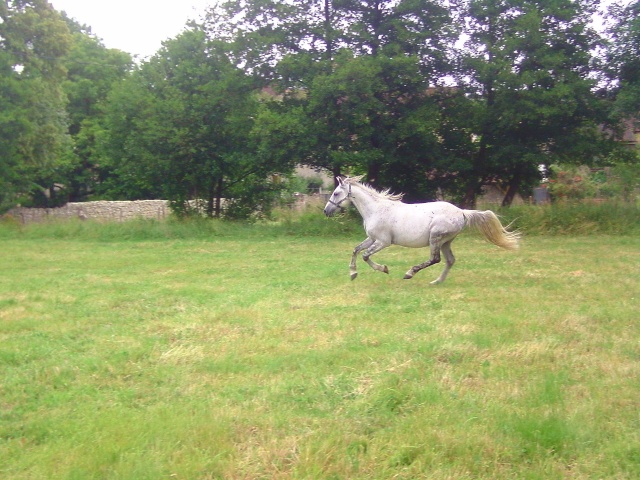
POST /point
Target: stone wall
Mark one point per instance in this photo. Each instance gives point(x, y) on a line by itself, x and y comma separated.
point(119, 211)
point(103, 211)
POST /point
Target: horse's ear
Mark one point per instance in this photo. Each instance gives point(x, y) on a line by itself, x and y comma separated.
point(339, 180)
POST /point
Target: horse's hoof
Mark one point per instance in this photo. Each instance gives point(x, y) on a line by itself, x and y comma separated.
point(354, 275)
point(385, 269)
point(407, 277)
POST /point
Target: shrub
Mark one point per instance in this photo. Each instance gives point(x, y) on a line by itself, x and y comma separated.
point(618, 181)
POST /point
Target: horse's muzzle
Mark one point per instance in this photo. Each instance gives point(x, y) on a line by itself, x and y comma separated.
point(329, 210)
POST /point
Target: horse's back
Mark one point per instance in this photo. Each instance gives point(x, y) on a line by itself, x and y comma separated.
point(440, 208)
point(443, 217)
point(413, 224)
point(430, 211)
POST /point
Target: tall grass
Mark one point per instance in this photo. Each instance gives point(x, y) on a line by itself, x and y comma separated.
point(133, 230)
point(286, 223)
point(557, 219)
point(573, 218)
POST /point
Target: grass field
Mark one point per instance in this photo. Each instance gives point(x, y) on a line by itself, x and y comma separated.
point(244, 354)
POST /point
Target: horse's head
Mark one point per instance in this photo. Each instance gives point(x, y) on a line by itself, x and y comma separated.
point(340, 195)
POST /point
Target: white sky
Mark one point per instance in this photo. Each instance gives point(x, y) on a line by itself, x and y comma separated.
point(135, 26)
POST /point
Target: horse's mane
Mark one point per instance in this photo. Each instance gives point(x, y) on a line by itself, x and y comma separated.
point(386, 194)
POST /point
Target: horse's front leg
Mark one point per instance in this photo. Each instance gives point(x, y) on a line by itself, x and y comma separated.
point(352, 266)
point(375, 248)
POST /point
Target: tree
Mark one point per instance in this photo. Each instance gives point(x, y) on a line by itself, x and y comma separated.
point(527, 69)
point(623, 58)
point(374, 115)
point(92, 71)
point(33, 42)
point(129, 146)
point(352, 77)
point(180, 128)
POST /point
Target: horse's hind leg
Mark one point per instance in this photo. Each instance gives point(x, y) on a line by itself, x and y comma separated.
point(450, 260)
point(439, 242)
point(352, 266)
point(435, 258)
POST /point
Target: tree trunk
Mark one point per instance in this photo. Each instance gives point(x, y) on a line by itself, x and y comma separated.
point(337, 172)
point(373, 171)
point(219, 191)
point(476, 177)
point(210, 200)
point(470, 195)
point(512, 189)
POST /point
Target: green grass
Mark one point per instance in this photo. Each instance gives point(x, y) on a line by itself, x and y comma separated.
point(150, 350)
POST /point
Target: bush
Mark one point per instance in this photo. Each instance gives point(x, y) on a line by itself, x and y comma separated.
point(621, 181)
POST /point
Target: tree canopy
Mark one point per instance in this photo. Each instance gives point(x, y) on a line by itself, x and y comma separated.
point(33, 120)
point(624, 57)
point(187, 115)
point(427, 97)
point(526, 67)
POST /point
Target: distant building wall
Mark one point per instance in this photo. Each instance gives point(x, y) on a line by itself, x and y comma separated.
point(493, 195)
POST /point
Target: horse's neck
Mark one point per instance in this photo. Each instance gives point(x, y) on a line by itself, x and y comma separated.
point(366, 203)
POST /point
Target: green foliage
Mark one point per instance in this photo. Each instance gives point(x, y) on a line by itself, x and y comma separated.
point(33, 120)
point(312, 223)
point(528, 65)
point(380, 88)
point(306, 184)
point(623, 64)
point(282, 222)
point(353, 92)
point(573, 183)
point(185, 115)
point(92, 72)
point(620, 181)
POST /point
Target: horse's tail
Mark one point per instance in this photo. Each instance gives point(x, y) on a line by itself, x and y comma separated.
point(491, 228)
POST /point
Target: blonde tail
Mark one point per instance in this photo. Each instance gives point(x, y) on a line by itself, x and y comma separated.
point(491, 228)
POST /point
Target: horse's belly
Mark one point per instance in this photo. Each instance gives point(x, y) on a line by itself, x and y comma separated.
point(412, 239)
point(398, 231)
